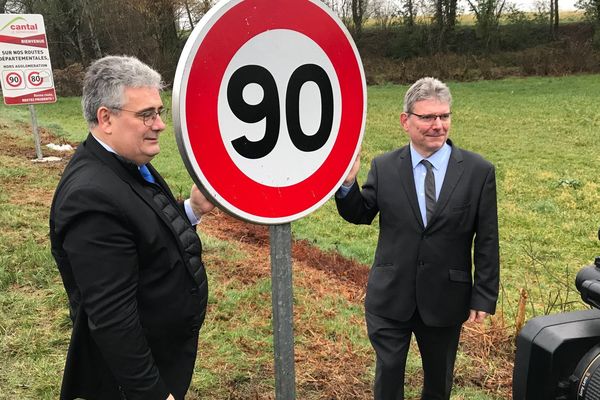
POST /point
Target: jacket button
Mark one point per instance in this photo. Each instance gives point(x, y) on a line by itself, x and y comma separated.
point(194, 290)
point(421, 263)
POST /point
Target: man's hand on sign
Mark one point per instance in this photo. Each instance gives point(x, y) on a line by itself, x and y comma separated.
point(351, 177)
point(200, 204)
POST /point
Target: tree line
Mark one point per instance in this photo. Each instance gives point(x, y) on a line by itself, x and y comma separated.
point(155, 30)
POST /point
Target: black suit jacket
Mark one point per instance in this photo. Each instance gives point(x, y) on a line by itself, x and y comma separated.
point(135, 305)
point(430, 268)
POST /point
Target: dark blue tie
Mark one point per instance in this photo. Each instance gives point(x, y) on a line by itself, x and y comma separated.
point(146, 174)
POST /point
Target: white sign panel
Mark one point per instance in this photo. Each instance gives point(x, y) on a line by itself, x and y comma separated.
point(25, 60)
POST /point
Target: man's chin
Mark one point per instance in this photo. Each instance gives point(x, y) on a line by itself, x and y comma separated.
point(153, 152)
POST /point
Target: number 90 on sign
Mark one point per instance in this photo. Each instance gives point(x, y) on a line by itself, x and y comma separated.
point(279, 111)
point(12, 80)
point(268, 108)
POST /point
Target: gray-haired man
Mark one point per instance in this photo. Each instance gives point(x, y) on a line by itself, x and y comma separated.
point(437, 206)
point(127, 251)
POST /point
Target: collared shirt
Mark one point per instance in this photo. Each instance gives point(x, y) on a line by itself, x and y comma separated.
point(186, 204)
point(439, 160)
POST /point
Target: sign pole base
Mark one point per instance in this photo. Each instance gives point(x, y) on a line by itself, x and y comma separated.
point(283, 321)
point(36, 135)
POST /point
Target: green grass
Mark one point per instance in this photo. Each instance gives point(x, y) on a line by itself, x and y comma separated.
point(541, 133)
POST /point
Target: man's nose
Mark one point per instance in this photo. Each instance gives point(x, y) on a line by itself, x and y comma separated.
point(158, 124)
point(437, 122)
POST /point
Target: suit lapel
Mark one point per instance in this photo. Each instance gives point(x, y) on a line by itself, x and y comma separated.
point(407, 182)
point(453, 174)
point(126, 171)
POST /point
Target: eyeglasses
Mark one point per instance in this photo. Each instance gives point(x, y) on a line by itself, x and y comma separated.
point(148, 116)
point(430, 118)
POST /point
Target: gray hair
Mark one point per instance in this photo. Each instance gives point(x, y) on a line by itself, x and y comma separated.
point(426, 89)
point(106, 80)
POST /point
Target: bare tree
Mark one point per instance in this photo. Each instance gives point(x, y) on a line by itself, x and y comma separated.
point(555, 15)
point(444, 19)
point(409, 13)
point(487, 16)
point(344, 11)
point(384, 12)
point(161, 26)
point(591, 9)
point(359, 15)
point(192, 10)
point(445, 14)
point(19, 6)
point(87, 14)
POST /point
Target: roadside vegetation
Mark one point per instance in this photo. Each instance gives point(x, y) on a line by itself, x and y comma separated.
point(541, 133)
point(399, 40)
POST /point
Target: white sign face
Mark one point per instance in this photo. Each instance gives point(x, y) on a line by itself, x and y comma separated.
point(280, 61)
point(25, 60)
point(269, 107)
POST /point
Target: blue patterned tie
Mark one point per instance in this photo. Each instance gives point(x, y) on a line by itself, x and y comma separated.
point(146, 174)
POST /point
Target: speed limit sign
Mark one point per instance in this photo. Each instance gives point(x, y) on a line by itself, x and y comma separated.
point(269, 107)
point(13, 79)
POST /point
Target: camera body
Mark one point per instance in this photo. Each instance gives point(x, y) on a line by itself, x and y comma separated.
point(558, 356)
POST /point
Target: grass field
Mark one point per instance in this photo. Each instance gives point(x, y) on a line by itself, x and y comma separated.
point(541, 133)
point(467, 18)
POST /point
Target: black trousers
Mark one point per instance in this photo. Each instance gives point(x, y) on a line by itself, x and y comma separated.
point(391, 340)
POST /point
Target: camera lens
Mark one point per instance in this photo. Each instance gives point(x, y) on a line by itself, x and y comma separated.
point(587, 375)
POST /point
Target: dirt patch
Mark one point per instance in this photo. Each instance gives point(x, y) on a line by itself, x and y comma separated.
point(326, 366)
point(22, 144)
point(350, 275)
point(335, 372)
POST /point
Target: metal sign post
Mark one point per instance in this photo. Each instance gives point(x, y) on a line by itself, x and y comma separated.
point(36, 135)
point(269, 109)
point(283, 315)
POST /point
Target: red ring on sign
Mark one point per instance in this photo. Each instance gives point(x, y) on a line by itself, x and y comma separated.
point(17, 75)
point(34, 83)
point(228, 34)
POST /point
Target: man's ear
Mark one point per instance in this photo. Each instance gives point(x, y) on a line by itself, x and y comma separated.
point(104, 119)
point(404, 120)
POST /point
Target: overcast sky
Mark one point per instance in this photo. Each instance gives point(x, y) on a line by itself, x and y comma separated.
point(530, 4)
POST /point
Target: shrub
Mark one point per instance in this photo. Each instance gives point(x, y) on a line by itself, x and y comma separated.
point(69, 81)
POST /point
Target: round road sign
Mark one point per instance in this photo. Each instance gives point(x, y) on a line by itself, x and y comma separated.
point(269, 107)
point(13, 79)
point(34, 78)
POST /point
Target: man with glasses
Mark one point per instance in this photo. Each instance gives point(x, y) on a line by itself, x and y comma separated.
point(127, 251)
point(437, 208)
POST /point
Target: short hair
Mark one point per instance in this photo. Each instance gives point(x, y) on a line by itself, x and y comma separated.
point(107, 78)
point(426, 89)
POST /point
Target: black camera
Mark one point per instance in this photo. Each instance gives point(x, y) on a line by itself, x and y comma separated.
point(558, 356)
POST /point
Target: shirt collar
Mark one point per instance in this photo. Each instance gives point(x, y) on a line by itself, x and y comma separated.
point(436, 159)
point(106, 147)
point(111, 150)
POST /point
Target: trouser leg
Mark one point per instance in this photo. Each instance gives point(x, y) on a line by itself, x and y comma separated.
point(438, 348)
point(390, 340)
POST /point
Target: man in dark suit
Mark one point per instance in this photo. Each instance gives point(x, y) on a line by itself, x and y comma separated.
point(437, 206)
point(127, 251)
